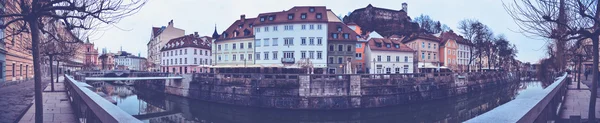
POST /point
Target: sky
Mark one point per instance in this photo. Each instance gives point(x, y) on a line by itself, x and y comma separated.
point(133, 32)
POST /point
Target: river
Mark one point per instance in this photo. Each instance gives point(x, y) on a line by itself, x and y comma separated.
point(155, 107)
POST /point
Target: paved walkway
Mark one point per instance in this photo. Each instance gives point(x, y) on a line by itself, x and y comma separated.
point(56, 106)
point(577, 101)
point(15, 98)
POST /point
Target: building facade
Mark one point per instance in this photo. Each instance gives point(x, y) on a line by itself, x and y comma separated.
point(427, 49)
point(126, 61)
point(341, 51)
point(389, 56)
point(234, 48)
point(107, 60)
point(449, 50)
point(158, 38)
point(19, 60)
point(282, 37)
point(187, 54)
point(91, 56)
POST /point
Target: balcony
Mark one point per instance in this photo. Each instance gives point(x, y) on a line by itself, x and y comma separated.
point(288, 60)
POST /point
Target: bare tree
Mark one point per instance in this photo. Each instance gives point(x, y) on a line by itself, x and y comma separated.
point(29, 17)
point(562, 21)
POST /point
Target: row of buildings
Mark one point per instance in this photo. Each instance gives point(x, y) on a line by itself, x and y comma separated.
point(306, 39)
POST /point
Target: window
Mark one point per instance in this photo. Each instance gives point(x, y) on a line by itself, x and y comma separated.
point(271, 18)
point(422, 55)
point(358, 56)
point(266, 42)
point(290, 16)
point(405, 68)
point(311, 41)
point(379, 69)
point(428, 55)
point(233, 46)
point(226, 47)
point(303, 41)
point(311, 9)
point(334, 35)
point(266, 56)
point(405, 58)
point(339, 29)
point(349, 48)
point(434, 56)
point(319, 16)
point(257, 56)
point(288, 54)
point(397, 45)
point(433, 46)
point(181, 60)
point(274, 28)
point(242, 57)
point(241, 46)
point(13, 68)
point(275, 42)
point(175, 52)
point(423, 44)
point(303, 16)
point(319, 54)
point(196, 61)
point(205, 52)
point(311, 54)
point(311, 27)
point(319, 26)
point(219, 47)
point(319, 41)
point(388, 58)
point(330, 61)
point(340, 60)
point(195, 51)
point(257, 29)
point(288, 41)
point(397, 70)
point(249, 56)
point(358, 45)
point(303, 54)
point(266, 28)
point(262, 19)
point(340, 47)
point(397, 58)
point(388, 70)
point(303, 27)
point(428, 45)
point(257, 42)
point(233, 58)
point(378, 58)
point(274, 55)
point(250, 44)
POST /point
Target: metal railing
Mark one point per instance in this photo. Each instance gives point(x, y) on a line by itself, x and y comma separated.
point(90, 107)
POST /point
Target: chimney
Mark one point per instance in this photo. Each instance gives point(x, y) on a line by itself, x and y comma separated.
point(196, 34)
point(242, 17)
point(405, 7)
point(171, 23)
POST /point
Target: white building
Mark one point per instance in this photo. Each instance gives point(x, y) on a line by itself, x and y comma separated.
point(187, 54)
point(158, 38)
point(126, 61)
point(388, 56)
point(282, 38)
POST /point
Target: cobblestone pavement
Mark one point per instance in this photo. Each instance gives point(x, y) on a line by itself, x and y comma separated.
point(15, 98)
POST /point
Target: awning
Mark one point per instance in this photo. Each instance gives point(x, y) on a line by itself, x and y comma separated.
point(427, 65)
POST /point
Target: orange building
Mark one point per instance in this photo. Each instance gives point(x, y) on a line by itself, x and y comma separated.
point(19, 61)
point(448, 50)
point(91, 56)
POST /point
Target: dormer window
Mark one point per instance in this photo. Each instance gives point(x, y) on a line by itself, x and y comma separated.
point(334, 35)
point(262, 19)
point(311, 9)
point(271, 18)
point(303, 16)
point(224, 35)
point(319, 16)
point(339, 29)
point(397, 45)
point(250, 25)
point(378, 44)
point(346, 36)
point(290, 16)
point(388, 45)
point(240, 26)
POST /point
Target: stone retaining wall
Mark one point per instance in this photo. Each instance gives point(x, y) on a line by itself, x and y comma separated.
point(343, 91)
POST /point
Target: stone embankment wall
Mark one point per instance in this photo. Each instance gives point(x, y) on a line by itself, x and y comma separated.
point(347, 91)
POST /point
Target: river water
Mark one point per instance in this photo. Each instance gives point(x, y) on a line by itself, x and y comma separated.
point(155, 107)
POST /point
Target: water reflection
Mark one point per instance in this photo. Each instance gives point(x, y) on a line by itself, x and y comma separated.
point(157, 107)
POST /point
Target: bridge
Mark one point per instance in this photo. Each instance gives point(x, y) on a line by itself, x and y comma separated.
point(130, 78)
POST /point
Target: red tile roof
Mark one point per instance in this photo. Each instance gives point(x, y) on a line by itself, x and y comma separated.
point(188, 41)
point(332, 28)
point(451, 35)
point(384, 41)
point(156, 31)
point(245, 31)
point(420, 36)
point(296, 13)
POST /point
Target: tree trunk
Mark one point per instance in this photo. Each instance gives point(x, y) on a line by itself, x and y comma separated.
point(51, 75)
point(57, 70)
point(592, 109)
point(35, 40)
point(480, 62)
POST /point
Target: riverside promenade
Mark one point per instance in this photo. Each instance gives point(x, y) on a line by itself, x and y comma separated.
point(57, 108)
point(575, 107)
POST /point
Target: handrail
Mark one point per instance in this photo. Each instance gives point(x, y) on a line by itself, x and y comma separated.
point(91, 107)
point(530, 107)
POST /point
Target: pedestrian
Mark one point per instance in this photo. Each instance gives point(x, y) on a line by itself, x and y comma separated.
point(586, 74)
